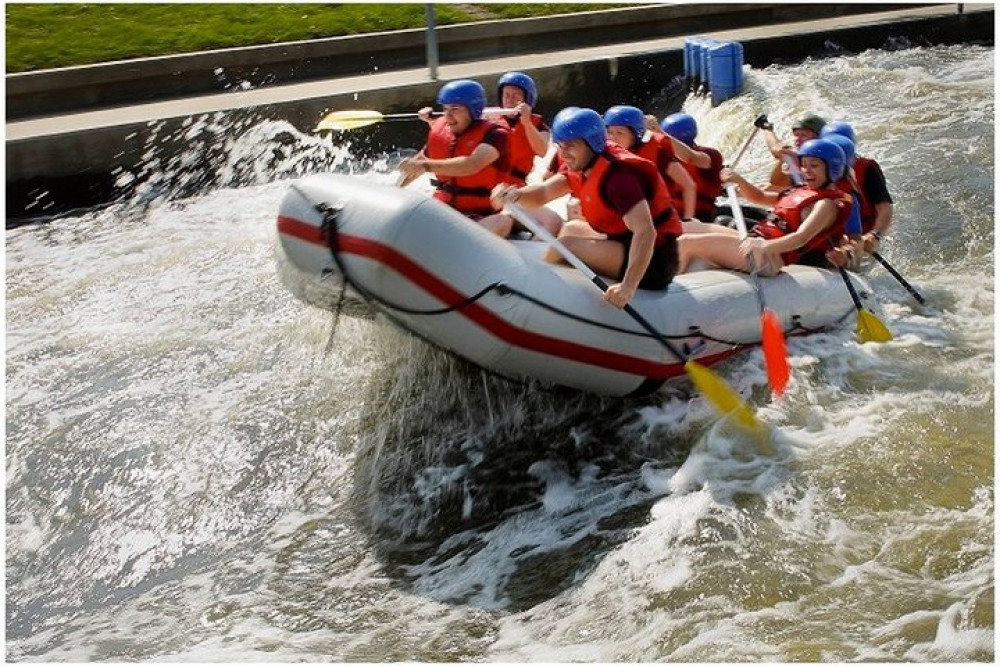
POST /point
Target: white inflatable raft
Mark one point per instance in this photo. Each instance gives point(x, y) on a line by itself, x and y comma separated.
point(495, 303)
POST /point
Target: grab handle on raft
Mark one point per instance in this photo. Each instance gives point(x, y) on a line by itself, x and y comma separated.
point(713, 387)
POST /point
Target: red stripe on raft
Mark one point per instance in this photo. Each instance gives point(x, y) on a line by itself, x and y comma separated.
point(502, 329)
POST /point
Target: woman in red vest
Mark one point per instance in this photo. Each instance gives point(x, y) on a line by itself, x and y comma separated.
point(703, 163)
point(466, 153)
point(803, 224)
point(630, 227)
point(626, 126)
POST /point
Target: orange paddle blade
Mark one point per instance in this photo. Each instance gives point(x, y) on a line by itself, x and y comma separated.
point(775, 352)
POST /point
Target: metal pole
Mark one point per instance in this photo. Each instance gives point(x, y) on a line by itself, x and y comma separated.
point(432, 45)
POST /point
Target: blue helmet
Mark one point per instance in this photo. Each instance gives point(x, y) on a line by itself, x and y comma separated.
point(681, 126)
point(466, 92)
point(839, 127)
point(845, 144)
point(522, 81)
point(831, 154)
point(576, 123)
point(627, 116)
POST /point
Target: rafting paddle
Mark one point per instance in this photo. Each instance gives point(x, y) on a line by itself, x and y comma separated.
point(354, 119)
point(870, 327)
point(713, 387)
point(772, 336)
point(746, 144)
point(854, 229)
point(899, 278)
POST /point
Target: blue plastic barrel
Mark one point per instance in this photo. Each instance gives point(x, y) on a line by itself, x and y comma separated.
point(725, 71)
point(697, 47)
point(705, 73)
point(690, 60)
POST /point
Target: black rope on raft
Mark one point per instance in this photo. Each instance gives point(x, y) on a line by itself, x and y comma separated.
point(330, 233)
point(336, 318)
point(329, 214)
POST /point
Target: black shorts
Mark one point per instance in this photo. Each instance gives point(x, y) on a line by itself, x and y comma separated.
point(662, 265)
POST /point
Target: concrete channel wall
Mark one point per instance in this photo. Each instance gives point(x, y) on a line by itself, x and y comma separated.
point(73, 159)
point(73, 89)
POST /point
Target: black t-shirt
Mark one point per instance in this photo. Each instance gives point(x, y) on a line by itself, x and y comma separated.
point(875, 188)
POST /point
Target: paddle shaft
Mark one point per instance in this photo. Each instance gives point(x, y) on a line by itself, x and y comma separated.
point(741, 226)
point(899, 278)
point(339, 121)
point(534, 227)
point(405, 116)
point(772, 337)
point(488, 111)
point(746, 144)
point(850, 288)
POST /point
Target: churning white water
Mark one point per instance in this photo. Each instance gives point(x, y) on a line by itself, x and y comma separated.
point(198, 471)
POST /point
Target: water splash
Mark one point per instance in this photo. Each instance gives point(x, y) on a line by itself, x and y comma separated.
point(194, 473)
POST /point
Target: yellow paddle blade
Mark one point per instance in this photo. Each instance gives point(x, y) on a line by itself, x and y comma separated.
point(871, 328)
point(720, 394)
point(348, 120)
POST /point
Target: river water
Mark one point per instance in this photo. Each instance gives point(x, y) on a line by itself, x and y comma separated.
point(197, 470)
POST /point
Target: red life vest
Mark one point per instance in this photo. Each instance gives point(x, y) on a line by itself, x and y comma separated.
point(601, 215)
point(651, 150)
point(869, 213)
point(787, 217)
point(520, 154)
point(707, 182)
point(868, 210)
point(466, 194)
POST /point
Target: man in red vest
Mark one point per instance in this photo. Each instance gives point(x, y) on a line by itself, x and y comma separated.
point(466, 153)
point(528, 138)
point(630, 228)
point(805, 129)
point(877, 204)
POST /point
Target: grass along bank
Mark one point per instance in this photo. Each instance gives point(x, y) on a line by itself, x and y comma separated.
point(43, 36)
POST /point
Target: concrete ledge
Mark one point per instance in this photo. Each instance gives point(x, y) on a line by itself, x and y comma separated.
point(90, 87)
